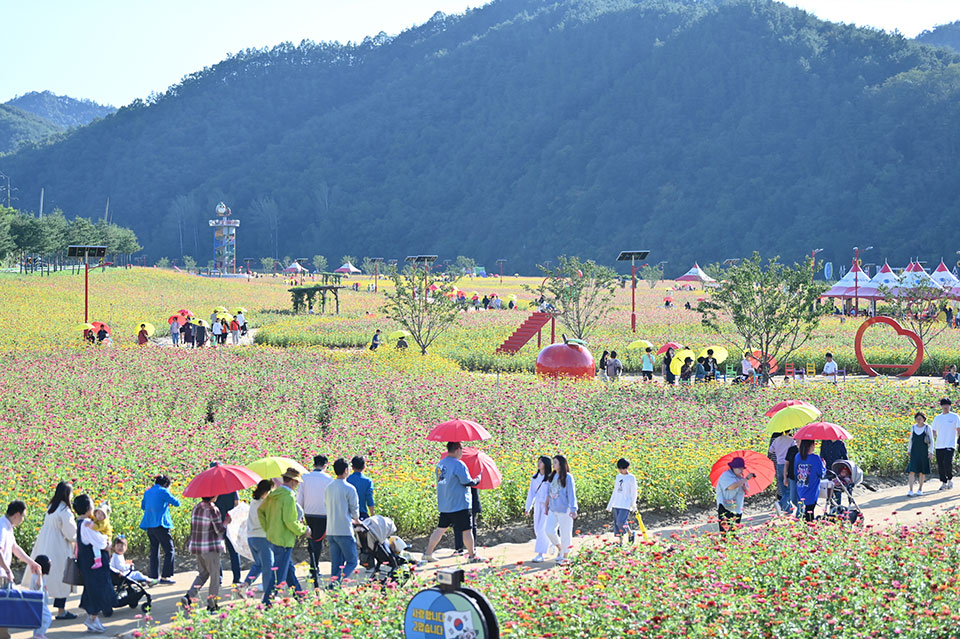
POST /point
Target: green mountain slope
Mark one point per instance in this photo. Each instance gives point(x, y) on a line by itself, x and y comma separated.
point(19, 127)
point(61, 110)
point(530, 128)
point(945, 35)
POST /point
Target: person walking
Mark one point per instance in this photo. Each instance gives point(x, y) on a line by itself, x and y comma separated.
point(614, 367)
point(561, 507)
point(16, 513)
point(363, 485)
point(311, 497)
point(791, 472)
point(142, 337)
point(56, 540)
point(242, 321)
point(537, 504)
point(157, 523)
point(175, 334)
point(647, 362)
point(623, 499)
point(225, 503)
point(207, 532)
point(809, 470)
point(919, 449)
point(731, 489)
point(946, 426)
point(235, 331)
point(186, 332)
point(830, 369)
point(343, 511)
point(256, 537)
point(216, 329)
point(665, 366)
point(602, 364)
point(98, 596)
point(779, 448)
point(375, 342)
point(280, 520)
point(475, 510)
point(200, 336)
point(453, 502)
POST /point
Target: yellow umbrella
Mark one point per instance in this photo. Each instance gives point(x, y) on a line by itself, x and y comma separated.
point(151, 329)
point(677, 363)
point(791, 418)
point(639, 344)
point(226, 316)
point(201, 322)
point(84, 327)
point(271, 467)
point(398, 334)
point(719, 353)
point(240, 311)
point(221, 309)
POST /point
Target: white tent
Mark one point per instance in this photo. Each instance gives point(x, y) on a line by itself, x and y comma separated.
point(885, 279)
point(942, 276)
point(915, 277)
point(695, 274)
point(348, 268)
point(855, 284)
point(295, 268)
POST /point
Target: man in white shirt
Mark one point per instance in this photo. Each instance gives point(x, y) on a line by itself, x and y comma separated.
point(311, 499)
point(16, 512)
point(623, 500)
point(830, 369)
point(746, 367)
point(946, 426)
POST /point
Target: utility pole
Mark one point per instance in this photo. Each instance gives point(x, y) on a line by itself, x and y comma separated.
point(633, 256)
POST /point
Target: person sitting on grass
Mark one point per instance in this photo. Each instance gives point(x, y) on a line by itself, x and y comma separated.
point(402, 343)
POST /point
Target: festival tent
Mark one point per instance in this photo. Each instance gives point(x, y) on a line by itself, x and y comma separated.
point(885, 279)
point(942, 276)
point(348, 268)
point(695, 274)
point(295, 268)
point(913, 278)
point(854, 284)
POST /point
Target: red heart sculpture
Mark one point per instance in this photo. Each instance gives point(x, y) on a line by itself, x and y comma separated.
point(889, 321)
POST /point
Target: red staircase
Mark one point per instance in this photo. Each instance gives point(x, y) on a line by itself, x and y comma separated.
point(530, 327)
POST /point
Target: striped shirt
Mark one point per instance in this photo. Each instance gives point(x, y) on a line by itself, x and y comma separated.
point(206, 529)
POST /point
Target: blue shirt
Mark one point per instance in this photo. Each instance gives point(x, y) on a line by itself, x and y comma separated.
point(563, 499)
point(809, 473)
point(453, 485)
point(154, 505)
point(226, 503)
point(364, 488)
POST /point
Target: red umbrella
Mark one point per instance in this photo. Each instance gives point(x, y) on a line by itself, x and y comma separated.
point(479, 463)
point(97, 325)
point(220, 480)
point(185, 312)
point(776, 408)
point(668, 299)
point(675, 346)
point(755, 361)
point(755, 463)
point(701, 299)
point(822, 431)
point(178, 319)
point(458, 430)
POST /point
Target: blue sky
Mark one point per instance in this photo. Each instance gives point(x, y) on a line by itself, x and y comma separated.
point(114, 51)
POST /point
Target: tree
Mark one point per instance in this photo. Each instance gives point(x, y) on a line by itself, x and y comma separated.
point(464, 265)
point(82, 231)
point(917, 306)
point(163, 263)
point(652, 275)
point(771, 308)
point(189, 263)
point(426, 317)
point(366, 265)
point(581, 292)
point(320, 263)
point(348, 258)
point(268, 263)
point(6, 240)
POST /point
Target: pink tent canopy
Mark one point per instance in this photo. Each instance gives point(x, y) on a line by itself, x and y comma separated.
point(854, 284)
point(295, 268)
point(348, 268)
point(913, 278)
point(944, 277)
point(695, 274)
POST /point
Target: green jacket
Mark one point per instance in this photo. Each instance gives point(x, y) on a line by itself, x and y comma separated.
point(278, 518)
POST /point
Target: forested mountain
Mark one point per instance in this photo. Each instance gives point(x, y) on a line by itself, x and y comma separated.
point(18, 127)
point(945, 35)
point(61, 110)
point(701, 130)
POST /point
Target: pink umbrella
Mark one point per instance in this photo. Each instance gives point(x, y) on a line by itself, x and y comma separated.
point(479, 463)
point(822, 431)
point(220, 480)
point(458, 430)
point(776, 408)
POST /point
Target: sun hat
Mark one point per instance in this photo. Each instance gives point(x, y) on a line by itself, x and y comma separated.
point(292, 474)
point(737, 462)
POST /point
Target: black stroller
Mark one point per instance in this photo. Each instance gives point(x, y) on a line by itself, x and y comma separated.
point(378, 550)
point(130, 592)
point(841, 478)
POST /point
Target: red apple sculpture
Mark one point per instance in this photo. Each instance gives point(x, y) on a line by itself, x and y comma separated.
point(566, 360)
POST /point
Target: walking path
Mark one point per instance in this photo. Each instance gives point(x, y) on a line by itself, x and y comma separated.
point(245, 340)
point(884, 508)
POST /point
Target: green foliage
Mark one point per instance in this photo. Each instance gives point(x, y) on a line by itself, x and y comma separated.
point(320, 263)
point(61, 111)
point(268, 264)
point(163, 262)
point(189, 263)
point(917, 307)
point(651, 274)
point(580, 292)
point(17, 127)
point(426, 315)
point(544, 128)
point(768, 307)
point(348, 259)
point(52, 234)
point(945, 35)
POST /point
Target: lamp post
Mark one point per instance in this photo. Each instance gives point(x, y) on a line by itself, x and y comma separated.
point(86, 252)
point(813, 258)
point(500, 262)
point(376, 272)
point(426, 260)
point(633, 256)
point(856, 279)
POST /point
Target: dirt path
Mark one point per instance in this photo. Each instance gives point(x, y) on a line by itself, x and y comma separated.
point(245, 340)
point(883, 508)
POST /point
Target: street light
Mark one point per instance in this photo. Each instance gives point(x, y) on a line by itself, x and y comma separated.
point(376, 272)
point(856, 279)
point(633, 256)
point(813, 258)
point(500, 262)
point(86, 252)
point(426, 260)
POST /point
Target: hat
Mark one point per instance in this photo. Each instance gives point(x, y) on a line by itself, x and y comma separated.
point(737, 462)
point(945, 402)
point(292, 474)
point(104, 507)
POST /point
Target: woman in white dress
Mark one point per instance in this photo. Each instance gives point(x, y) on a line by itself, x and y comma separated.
point(536, 503)
point(56, 540)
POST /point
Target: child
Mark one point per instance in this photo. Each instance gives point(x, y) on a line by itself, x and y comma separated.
point(623, 500)
point(614, 367)
point(37, 583)
point(101, 523)
point(121, 566)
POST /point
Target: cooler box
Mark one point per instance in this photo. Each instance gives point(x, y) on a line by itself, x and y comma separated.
point(20, 608)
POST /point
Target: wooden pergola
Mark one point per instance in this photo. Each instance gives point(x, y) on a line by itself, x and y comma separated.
point(304, 297)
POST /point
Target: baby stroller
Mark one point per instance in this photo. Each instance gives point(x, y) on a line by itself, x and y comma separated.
point(130, 592)
point(839, 481)
point(380, 548)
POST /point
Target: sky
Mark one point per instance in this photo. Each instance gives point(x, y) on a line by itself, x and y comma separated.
point(114, 51)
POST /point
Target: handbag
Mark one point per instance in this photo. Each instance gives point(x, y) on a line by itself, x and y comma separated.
point(20, 608)
point(71, 573)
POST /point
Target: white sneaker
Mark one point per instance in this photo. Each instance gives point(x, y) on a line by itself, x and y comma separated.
point(537, 559)
point(950, 484)
point(910, 493)
point(942, 486)
point(919, 493)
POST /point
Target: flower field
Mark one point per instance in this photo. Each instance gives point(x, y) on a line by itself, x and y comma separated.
point(783, 581)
